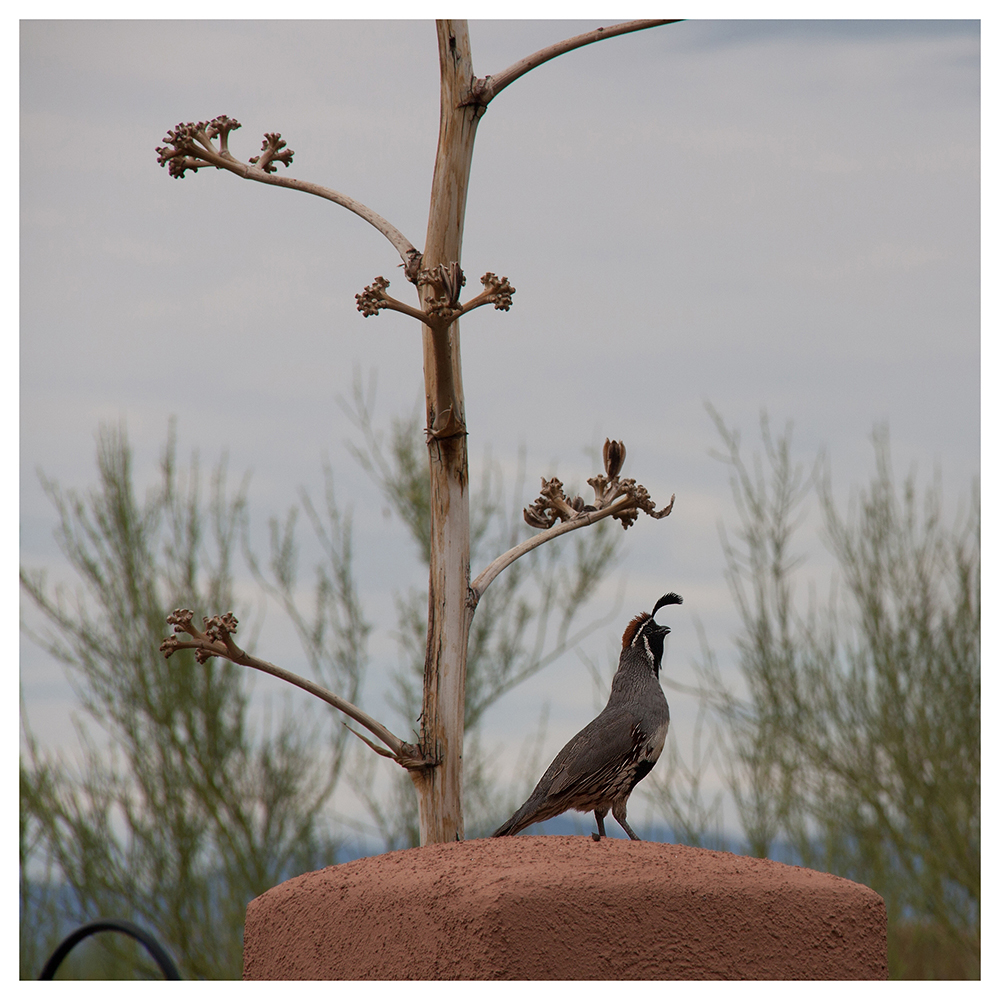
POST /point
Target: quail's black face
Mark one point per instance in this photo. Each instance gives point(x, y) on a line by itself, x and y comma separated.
point(655, 636)
point(656, 633)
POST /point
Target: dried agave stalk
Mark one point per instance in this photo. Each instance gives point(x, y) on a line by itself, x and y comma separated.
point(436, 765)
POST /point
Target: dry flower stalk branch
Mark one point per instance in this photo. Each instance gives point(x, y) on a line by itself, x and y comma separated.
point(621, 499)
point(217, 640)
point(191, 146)
point(486, 89)
point(443, 307)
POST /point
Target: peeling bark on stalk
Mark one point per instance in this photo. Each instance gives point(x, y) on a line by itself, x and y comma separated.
point(442, 723)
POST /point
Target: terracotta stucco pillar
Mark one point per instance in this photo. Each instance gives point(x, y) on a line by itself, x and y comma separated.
point(565, 908)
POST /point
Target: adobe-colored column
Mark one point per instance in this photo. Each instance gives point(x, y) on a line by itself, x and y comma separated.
point(565, 908)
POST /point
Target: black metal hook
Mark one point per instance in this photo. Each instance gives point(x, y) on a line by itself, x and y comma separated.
point(158, 952)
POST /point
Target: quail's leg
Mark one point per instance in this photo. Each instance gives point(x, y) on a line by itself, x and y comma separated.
point(600, 814)
point(618, 811)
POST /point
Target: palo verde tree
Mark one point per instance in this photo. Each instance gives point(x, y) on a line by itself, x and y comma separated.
point(435, 762)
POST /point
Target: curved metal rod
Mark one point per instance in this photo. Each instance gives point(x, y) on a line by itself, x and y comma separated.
point(158, 952)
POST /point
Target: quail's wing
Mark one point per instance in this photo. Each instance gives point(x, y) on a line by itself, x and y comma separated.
point(596, 752)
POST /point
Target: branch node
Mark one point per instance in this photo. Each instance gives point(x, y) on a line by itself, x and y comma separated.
point(414, 262)
point(446, 281)
point(446, 425)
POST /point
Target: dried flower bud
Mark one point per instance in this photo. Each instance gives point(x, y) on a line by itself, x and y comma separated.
point(169, 646)
point(614, 457)
point(372, 299)
point(499, 290)
point(219, 626)
point(272, 151)
point(180, 619)
point(626, 495)
point(219, 128)
point(447, 280)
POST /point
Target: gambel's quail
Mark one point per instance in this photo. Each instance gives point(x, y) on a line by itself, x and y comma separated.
point(601, 765)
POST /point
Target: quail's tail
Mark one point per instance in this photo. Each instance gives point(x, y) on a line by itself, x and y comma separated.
point(507, 830)
point(522, 818)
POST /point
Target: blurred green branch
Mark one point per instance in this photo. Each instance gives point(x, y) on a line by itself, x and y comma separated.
point(856, 740)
